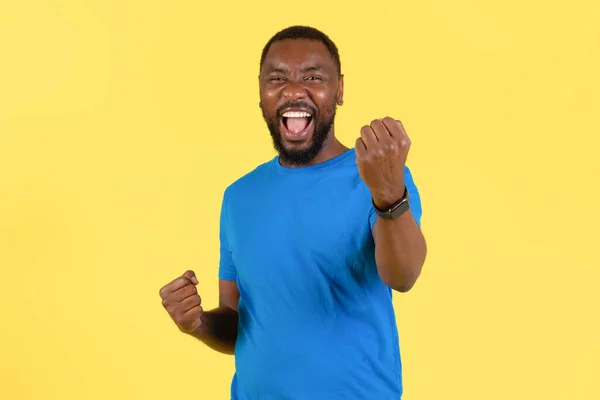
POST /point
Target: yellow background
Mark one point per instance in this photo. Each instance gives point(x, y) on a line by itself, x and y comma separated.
point(121, 123)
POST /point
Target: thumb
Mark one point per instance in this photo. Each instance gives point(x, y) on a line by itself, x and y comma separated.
point(191, 276)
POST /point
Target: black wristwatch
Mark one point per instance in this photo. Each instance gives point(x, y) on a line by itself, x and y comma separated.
point(396, 210)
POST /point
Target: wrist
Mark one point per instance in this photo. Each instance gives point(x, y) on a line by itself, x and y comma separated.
point(391, 208)
point(202, 330)
point(384, 201)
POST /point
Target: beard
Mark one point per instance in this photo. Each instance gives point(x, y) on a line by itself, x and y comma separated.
point(322, 128)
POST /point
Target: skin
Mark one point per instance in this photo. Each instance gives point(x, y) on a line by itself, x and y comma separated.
point(400, 247)
point(217, 328)
point(301, 72)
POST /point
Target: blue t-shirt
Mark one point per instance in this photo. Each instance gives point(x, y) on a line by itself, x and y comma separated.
point(315, 320)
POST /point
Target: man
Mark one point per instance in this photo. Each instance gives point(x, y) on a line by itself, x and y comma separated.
point(312, 244)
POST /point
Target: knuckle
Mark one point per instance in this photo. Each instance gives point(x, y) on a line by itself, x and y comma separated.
point(181, 319)
point(178, 317)
point(165, 290)
point(188, 324)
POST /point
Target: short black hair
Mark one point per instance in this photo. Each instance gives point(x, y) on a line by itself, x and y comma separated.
point(304, 32)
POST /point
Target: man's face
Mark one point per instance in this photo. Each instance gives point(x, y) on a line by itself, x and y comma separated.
point(299, 92)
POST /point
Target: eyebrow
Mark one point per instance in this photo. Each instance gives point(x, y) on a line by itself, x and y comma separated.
point(312, 69)
point(282, 70)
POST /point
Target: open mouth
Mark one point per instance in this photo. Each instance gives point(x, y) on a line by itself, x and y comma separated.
point(296, 124)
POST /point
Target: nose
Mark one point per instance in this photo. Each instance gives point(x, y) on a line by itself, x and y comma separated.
point(294, 91)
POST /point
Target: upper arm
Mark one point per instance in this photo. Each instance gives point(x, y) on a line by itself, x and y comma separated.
point(229, 295)
point(227, 270)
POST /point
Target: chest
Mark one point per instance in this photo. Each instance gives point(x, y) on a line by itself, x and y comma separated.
point(316, 230)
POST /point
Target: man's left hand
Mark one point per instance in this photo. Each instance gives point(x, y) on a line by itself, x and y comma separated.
point(381, 152)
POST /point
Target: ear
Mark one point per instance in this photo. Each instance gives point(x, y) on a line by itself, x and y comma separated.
point(340, 91)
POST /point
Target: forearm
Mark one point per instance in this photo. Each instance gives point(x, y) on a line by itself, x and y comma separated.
point(219, 329)
point(400, 251)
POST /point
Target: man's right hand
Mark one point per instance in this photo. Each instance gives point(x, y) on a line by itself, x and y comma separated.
point(181, 300)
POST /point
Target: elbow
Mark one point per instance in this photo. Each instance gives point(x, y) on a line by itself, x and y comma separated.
point(401, 282)
point(400, 274)
point(402, 286)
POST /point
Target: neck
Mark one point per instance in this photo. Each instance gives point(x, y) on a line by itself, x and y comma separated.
point(331, 149)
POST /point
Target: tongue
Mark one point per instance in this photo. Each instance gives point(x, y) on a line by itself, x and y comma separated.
point(297, 125)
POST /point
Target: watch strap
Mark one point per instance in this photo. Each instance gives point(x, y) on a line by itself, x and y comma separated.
point(396, 209)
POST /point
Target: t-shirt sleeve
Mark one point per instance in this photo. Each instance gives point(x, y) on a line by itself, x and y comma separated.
point(227, 269)
point(414, 200)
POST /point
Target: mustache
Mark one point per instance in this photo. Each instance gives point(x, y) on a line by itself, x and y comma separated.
point(296, 104)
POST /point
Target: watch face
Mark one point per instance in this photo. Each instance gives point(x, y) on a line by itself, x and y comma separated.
point(399, 205)
point(396, 210)
point(400, 209)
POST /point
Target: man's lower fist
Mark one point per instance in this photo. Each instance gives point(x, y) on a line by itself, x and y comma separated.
point(181, 300)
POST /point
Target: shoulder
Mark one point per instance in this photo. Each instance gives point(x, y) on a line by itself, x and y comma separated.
point(414, 195)
point(249, 182)
point(408, 177)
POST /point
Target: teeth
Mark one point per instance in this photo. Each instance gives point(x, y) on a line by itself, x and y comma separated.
point(296, 114)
